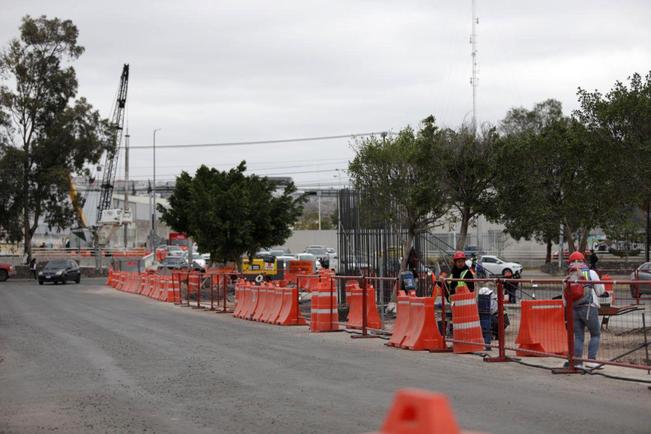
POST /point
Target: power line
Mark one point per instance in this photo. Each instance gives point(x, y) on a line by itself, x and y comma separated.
point(251, 165)
point(265, 142)
point(141, 177)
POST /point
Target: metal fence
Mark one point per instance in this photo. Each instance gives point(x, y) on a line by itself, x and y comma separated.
point(373, 247)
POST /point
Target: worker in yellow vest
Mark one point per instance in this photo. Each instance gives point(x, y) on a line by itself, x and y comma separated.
point(460, 271)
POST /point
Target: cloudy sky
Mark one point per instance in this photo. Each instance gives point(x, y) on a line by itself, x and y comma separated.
point(228, 71)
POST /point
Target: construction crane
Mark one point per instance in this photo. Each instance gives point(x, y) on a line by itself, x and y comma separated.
point(111, 159)
point(106, 217)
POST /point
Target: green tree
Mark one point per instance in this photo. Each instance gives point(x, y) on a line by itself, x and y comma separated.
point(557, 173)
point(228, 213)
point(621, 120)
point(401, 179)
point(469, 172)
point(46, 135)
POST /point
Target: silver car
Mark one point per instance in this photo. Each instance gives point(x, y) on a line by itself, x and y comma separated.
point(643, 272)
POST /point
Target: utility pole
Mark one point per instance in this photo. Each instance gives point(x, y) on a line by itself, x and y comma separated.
point(153, 212)
point(126, 186)
point(474, 80)
point(318, 198)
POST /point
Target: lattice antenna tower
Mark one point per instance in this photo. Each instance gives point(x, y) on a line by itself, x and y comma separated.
point(474, 80)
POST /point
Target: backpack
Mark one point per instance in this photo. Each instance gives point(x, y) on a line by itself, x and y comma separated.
point(580, 293)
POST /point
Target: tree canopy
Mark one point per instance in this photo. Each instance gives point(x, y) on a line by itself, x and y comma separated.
point(469, 169)
point(228, 213)
point(402, 178)
point(45, 134)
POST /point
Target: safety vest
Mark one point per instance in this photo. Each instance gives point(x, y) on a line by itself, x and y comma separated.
point(461, 283)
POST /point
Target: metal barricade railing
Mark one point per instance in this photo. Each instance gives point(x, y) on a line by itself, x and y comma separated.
point(624, 333)
point(532, 317)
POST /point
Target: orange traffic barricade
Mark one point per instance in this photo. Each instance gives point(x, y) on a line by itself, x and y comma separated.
point(354, 295)
point(542, 328)
point(416, 411)
point(423, 332)
point(323, 311)
point(401, 324)
point(466, 332)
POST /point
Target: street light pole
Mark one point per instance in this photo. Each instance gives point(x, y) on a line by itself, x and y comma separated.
point(153, 212)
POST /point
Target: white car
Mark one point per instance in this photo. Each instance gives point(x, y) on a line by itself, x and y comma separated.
point(495, 265)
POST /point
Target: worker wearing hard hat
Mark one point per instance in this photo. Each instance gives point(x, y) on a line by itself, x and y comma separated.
point(460, 271)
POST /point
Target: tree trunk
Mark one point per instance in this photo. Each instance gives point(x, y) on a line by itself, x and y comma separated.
point(406, 249)
point(648, 227)
point(583, 241)
point(548, 253)
point(569, 238)
point(463, 233)
point(27, 237)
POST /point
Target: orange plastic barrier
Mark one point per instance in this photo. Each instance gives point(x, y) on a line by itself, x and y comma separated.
point(416, 411)
point(254, 301)
point(542, 327)
point(119, 280)
point(609, 287)
point(153, 285)
point(354, 297)
point(401, 325)
point(297, 268)
point(323, 312)
point(275, 304)
point(172, 295)
point(245, 296)
point(466, 326)
point(289, 314)
point(268, 303)
point(251, 293)
point(422, 332)
point(194, 283)
point(261, 305)
point(240, 298)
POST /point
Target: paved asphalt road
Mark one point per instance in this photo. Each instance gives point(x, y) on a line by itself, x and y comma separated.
point(87, 358)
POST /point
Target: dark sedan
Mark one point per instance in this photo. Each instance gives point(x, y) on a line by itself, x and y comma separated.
point(61, 270)
point(643, 272)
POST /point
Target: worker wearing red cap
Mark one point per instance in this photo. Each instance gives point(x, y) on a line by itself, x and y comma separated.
point(585, 310)
point(460, 271)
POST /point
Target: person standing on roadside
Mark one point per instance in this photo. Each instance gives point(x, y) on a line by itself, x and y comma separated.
point(460, 271)
point(32, 268)
point(585, 309)
point(510, 287)
point(593, 259)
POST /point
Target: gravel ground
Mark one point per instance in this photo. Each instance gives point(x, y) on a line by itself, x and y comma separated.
point(87, 358)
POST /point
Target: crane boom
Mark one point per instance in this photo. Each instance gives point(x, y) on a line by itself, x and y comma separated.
point(110, 164)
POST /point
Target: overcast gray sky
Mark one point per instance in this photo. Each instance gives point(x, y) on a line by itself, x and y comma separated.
point(220, 71)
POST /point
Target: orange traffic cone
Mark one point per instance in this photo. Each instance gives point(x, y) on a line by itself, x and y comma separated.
point(416, 411)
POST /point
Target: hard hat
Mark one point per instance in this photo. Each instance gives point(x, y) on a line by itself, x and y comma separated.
point(576, 256)
point(458, 255)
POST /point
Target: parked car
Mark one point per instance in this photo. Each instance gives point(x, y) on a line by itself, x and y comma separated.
point(174, 263)
point(279, 252)
point(643, 272)
point(497, 266)
point(6, 271)
point(60, 271)
point(181, 263)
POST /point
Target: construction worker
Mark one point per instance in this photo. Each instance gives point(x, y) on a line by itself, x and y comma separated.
point(460, 271)
point(585, 310)
point(487, 307)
